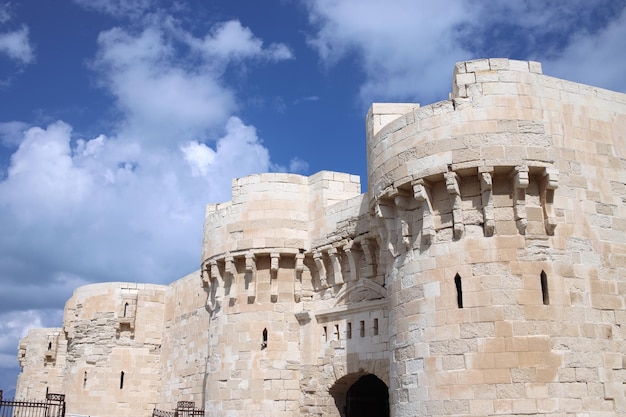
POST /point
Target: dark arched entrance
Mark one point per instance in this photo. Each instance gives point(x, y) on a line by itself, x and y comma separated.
point(368, 397)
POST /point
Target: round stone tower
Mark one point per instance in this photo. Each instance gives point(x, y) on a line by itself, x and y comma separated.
point(502, 213)
point(257, 281)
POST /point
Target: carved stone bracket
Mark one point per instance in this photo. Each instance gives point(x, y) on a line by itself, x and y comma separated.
point(420, 193)
point(321, 268)
point(274, 265)
point(368, 248)
point(549, 183)
point(384, 214)
point(353, 260)
point(335, 261)
point(519, 184)
point(486, 191)
point(250, 276)
point(452, 185)
point(297, 284)
point(404, 204)
point(229, 274)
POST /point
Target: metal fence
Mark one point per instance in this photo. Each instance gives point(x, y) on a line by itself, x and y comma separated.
point(54, 406)
point(183, 409)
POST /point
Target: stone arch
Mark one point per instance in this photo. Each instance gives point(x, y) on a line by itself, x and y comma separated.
point(361, 394)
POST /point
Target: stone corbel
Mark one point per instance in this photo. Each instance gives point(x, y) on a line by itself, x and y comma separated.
point(250, 276)
point(211, 302)
point(204, 274)
point(370, 258)
point(519, 185)
point(452, 185)
point(274, 262)
point(321, 268)
point(486, 191)
point(353, 260)
point(218, 281)
point(549, 183)
point(420, 193)
point(335, 261)
point(404, 204)
point(297, 284)
point(230, 272)
point(384, 214)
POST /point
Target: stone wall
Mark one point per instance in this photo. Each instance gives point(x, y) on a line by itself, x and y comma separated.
point(42, 356)
point(507, 286)
point(184, 344)
point(483, 273)
point(114, 336)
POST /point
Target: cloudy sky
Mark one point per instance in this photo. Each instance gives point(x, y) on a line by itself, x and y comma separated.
point(120, 119)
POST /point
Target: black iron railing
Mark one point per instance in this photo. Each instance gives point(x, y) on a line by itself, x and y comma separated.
point(183, 409)
point(54, 406)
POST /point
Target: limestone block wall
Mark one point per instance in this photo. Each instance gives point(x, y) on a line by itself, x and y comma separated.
point(185, 342)
point(502, 211)
point(41, 355)
point(483, 273)
point(261, 288)
point(113, 348)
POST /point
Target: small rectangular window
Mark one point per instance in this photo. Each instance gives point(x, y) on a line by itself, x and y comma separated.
point(349, 331)
point(375, 329)
point(362, 328)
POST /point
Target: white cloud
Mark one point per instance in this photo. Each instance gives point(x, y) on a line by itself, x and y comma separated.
point(594, 59)
point(239, 147)
point(403, 45)
point(117, 8)
point(11, 133)
point(16, 46)
point(298, 165)
point(129, 205)
point(231, 40)
point(407, 49)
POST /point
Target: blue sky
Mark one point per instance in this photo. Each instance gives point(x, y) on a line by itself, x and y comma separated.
point(120, 120)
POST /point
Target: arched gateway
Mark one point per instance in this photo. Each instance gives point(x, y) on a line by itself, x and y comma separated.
point(367, 397)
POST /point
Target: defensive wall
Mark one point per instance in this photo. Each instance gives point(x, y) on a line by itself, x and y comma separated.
point(482, 273)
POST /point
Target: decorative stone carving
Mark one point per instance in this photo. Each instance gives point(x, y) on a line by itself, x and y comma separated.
point(452, 185)
point(519, 184)
point(486, 186)
point(421, 195)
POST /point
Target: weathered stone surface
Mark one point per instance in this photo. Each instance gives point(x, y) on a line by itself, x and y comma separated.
point(482, 273)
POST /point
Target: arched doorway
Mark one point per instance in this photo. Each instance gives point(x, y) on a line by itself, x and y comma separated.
point(368, 397)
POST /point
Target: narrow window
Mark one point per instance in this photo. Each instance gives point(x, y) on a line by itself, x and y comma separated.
point(544, 288)
point(121, 379)
point(264, 344)
point(459, 291)
point(325, 334)
point(125, 309)
point(362, 328)
point(49, 345)
point(336, 334)
point(375, 327)
point(85, 380)
point(349, 331)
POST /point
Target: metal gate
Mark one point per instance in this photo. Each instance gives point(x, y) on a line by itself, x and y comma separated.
point(183, 409)
point(54, 406)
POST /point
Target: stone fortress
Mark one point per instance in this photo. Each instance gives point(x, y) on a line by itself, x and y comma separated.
point(483, 273)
